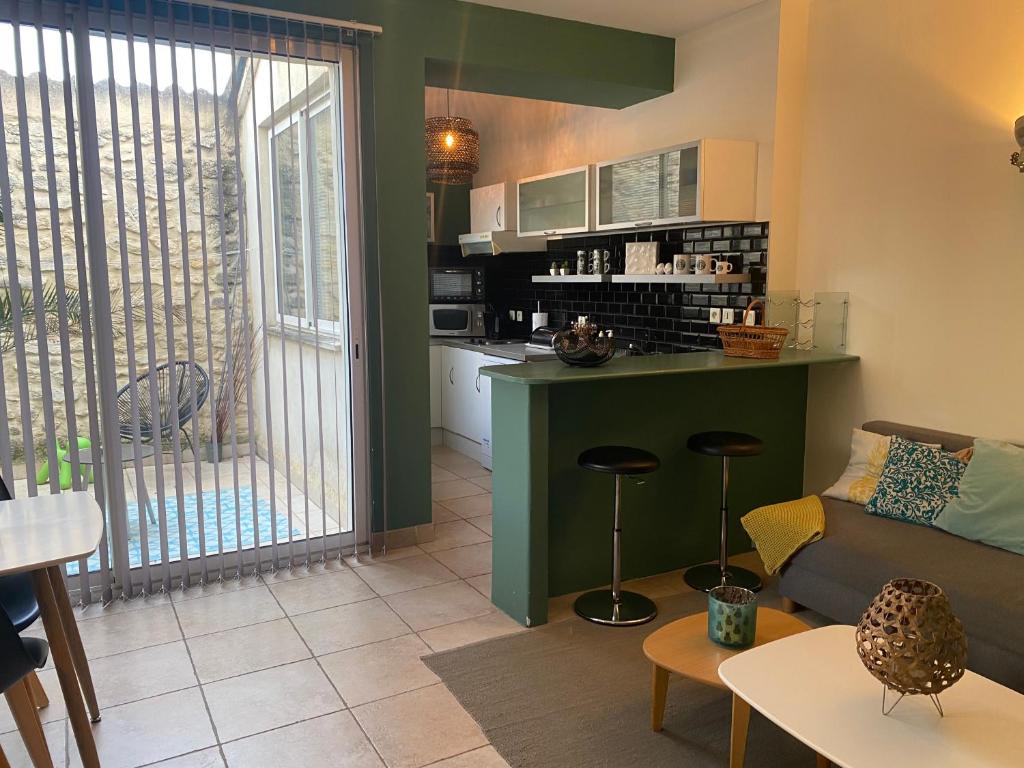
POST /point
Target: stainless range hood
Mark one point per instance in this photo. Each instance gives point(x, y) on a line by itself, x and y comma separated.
point(493, 243)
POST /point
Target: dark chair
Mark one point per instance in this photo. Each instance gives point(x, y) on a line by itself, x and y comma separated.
point(19, 658)
point(724, 445)
point(613, 606)
point(174, 391)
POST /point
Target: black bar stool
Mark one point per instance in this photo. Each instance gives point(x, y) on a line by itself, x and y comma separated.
point(613, 606)
point(727, 445)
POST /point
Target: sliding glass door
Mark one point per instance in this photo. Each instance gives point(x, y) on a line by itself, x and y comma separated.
point(180, 301)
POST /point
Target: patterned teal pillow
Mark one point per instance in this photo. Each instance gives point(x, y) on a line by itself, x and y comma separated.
point(917, 481)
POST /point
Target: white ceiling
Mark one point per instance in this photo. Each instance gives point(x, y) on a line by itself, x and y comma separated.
point(669, 18)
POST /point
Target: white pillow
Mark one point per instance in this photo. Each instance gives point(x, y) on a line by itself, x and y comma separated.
point(868, 452)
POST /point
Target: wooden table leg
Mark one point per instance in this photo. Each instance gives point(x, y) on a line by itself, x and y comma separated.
point(27, 719)
point(67, 617)
point(738, 735)
point(65, 666)
point(659, 690)
point(822, 761)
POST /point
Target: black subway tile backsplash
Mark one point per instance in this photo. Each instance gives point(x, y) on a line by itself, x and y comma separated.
point(663, 317)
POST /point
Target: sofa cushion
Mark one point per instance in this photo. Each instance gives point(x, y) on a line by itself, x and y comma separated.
point(864, 552)
point(990, 504)
point(916, 483)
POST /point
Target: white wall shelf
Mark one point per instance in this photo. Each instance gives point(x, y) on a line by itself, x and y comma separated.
point(573, 278)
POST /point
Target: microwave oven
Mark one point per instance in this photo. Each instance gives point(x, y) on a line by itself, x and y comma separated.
point(456, 285)
point(456, 319)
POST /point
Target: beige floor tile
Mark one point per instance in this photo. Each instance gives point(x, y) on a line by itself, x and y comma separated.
point(246, 649)
point(227, 611)
point(122, 632)
point(141, 674)
point(379, 670)
point(433, 606)
point(466, 562)
point(56, 735)
point(472, 470)
point(363, 559)
point(259, 701)
point(52, 713)
point(495, 624)
point(481, 584)
point(151, 730)
point(440, 514)
point(457, 463)
point(204, 758)
point(389, 577)
point(97, 610)
point(439, 474)
point(334, 740)
point(485, 757)
point(484, 523)
point(304, 571)
point(453, 489)
point(420, 727)
point(315, 594)
point(470, 506)
point(484, 482)
point(457, 533)
point(215, 588)
point(348, 626)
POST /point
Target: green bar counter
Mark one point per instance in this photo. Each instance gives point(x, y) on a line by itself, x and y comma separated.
point(552, 520)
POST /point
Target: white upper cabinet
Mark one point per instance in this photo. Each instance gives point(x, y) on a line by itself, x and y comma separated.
point(555, 203)
point(707, 180)
point(492, 208)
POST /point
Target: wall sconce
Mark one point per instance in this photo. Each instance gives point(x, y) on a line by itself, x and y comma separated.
point(1018, 132)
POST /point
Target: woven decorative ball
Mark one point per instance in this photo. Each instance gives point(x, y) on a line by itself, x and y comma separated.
point(909, 639)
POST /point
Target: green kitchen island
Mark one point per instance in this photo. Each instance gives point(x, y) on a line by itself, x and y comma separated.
point(553, 519)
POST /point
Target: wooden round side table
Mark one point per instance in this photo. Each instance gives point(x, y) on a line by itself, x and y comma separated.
point(683, 647)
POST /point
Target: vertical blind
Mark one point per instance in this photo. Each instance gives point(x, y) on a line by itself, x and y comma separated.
point(180, 209)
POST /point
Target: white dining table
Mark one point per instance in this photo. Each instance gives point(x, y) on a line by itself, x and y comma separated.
point(37, 535)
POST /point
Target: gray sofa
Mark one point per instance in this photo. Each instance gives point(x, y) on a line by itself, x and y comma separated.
point(840, 574)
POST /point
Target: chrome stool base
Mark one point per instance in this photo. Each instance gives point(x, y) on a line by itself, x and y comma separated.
point(708, 576)
point(601, 608)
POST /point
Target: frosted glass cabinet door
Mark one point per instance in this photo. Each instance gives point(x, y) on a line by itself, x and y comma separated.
point(555, 203)
point(648, 190)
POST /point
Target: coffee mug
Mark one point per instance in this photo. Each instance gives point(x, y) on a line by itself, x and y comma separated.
point(721, 266)
point(703, 265)
point(681, 264)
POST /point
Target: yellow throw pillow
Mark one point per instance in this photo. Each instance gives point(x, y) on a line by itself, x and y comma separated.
point(868, 452)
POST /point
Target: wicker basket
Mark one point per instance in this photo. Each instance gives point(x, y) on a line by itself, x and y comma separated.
point(761, 341)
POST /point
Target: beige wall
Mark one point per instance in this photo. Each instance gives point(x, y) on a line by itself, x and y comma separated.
point(908, 202)
point(724, 88)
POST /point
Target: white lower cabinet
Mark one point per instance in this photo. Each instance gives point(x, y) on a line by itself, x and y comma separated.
point(485, 410)
point(435, 387)
point(460, 391)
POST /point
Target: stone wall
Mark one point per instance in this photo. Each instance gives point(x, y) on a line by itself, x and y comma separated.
point(170, 288)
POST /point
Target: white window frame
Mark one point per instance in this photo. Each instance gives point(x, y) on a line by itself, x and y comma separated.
point(329, 100)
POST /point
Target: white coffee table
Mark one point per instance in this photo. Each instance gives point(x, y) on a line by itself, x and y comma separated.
point(814, 686)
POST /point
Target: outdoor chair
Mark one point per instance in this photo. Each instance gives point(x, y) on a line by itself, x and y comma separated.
point(174, 391)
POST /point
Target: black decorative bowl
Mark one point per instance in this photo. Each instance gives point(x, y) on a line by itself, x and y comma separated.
point(583, 351)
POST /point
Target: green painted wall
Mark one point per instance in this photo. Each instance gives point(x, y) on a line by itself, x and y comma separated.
point(451, 43)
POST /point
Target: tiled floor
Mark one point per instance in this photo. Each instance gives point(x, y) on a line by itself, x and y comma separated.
point(304, 666)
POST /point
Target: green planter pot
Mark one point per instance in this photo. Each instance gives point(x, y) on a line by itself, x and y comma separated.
point(732, 616)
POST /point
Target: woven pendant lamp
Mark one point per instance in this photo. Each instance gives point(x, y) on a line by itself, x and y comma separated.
point(453, 149)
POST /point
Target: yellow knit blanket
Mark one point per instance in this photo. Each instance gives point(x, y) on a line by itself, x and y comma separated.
point(779, 531)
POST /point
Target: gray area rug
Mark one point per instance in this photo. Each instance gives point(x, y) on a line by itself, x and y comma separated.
point(577, 694)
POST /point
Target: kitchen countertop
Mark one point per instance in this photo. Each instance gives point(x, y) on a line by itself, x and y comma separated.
point(519, 351)
point(556, 372)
